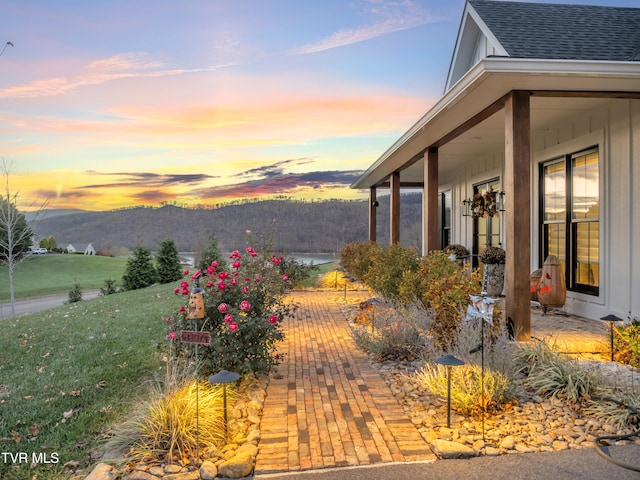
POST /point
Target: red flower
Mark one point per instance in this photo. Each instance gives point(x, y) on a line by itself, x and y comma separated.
point(223, 308)
point(221, 285)
point(223, 275)
point(245, 306)
point(235, 254)
point(172, 336)
point(184, 284)
point(185, 291)
point(186, 272)
point(228, 318)
point(233, 327)
point(235, 264)
point(182, 309)
point(176, 290)
point(285, 277)
point(273, 319)
point(251, 252)
point(245, 289)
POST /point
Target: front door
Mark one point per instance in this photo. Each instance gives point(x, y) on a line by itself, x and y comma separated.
point(486, 228)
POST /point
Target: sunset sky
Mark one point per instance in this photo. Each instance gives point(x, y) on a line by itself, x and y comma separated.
point(110, 104)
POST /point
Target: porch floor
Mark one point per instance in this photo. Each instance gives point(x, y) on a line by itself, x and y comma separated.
point(571, 334)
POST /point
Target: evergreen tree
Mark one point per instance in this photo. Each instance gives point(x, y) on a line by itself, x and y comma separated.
point(140, 272)
point(168, 262)
point(210, 253)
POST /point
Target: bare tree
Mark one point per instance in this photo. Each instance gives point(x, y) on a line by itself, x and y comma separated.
point(15, 233)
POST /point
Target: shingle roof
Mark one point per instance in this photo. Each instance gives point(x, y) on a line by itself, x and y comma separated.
point(567, 32)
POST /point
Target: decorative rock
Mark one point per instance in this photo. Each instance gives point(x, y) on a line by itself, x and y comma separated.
point(447, 449)
point(508, 443)
point(208, 470)
point(102, 471)
point(183, 476)
point(247, 447)
point(172, 468)
point(142, 475)
point(157, 471)
point(237, 467)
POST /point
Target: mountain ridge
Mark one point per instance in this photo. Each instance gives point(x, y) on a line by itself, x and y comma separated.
point(322, 226)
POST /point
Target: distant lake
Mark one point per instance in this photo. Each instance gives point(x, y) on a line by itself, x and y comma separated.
point(188, 258)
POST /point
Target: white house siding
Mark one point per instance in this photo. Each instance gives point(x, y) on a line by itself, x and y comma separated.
point(615, 128)
point(611, 128)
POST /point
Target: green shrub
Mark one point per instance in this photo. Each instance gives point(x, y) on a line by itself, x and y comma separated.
point(392, 271)
point(168, 262)
point(444, 287)
point(140, 272)
point(357, 258)
point(109, 288)
point(75, 294)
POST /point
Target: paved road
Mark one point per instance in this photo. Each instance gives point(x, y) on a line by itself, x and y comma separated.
point(38, 304)
point(583, 464)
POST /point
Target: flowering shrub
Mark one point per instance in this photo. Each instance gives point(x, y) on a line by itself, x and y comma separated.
point(243, 310)
point(627, 344)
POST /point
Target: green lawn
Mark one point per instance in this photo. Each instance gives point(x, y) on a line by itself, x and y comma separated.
point(68, 373)
point(43, 275)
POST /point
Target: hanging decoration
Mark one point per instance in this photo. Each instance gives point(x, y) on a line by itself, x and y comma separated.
point(483, 204)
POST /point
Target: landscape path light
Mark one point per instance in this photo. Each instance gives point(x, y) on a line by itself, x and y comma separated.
point(611, 318)
point(222, 378)
point(449, 361)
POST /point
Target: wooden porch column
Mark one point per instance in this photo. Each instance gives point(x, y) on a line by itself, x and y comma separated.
point(394, 210)
point(517, 188)
point(430, 239)
point(373, 211)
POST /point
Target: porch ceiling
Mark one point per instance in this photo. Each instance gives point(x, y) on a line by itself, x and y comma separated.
point(486, 83)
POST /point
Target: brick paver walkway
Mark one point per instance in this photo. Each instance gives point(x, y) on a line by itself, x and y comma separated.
point(328, 407)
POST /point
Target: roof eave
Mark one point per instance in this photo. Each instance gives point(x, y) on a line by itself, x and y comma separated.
point(521, 73)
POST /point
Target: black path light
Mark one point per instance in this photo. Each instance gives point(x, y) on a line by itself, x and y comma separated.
point(449, 361)
point(223, 377)
point(611, 318)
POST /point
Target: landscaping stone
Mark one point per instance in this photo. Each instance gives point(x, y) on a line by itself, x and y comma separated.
point(237, 467)
point(447, 449)
point(102, 471)
point(141, 475)
point(208, 470)
point(195, 475)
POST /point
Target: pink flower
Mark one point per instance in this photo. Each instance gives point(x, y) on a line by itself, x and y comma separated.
point(223, 275)
point(245, 289)
point(234, 282)
point(228, 318)
point(235, 264)
point(211, 270)
point(168, 319)
point(209, 284)
point(247, 279)
point(184, 284)
point(215, 264)
point(258, 280)
point(285, 277)
point(223, 308)
point(235, 254)
point(176, 290)
point(245, 306)
point(221, 285)
point(251, 252)
point(273, 319)
point(186, 272)
point(276, 260)
point(196, 275)
point(172, 336)
point(233, 327)
point(185, 292)
point(182, 309)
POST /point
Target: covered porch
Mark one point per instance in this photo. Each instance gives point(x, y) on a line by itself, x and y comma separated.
point(490, 127)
